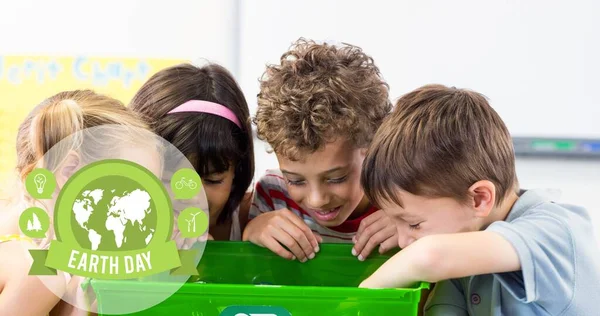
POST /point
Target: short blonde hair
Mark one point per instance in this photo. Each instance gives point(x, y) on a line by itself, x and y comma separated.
point(62, 115)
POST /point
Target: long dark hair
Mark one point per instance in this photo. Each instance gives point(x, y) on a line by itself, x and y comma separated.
point(213, 141)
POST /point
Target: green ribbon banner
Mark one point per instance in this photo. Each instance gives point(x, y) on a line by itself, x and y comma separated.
point(113, 265)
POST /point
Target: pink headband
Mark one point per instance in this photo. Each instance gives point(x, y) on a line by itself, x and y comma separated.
point(200, 106)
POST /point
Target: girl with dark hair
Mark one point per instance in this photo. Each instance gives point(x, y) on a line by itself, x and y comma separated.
point(202, 111)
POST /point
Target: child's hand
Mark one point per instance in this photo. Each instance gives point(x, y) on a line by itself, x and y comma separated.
point(75, 299)
point(376, 229)
point(187, 243)
point(183, 243)
point(282, 227)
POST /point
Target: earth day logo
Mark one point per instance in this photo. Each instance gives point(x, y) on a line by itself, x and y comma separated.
point(113, 220)
point(116, 205)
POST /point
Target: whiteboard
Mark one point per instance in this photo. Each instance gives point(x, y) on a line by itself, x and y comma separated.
point(537, 61)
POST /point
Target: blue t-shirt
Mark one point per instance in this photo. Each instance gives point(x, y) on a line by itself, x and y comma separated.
point(560, 266)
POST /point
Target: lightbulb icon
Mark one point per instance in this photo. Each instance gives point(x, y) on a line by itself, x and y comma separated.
point(40, 182)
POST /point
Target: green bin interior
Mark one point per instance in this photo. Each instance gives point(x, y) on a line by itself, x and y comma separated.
point(241, 276)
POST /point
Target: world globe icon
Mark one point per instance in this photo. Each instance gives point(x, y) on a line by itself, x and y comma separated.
point(113, 213)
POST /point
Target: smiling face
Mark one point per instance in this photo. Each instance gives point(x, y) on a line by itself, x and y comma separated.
point(326, 183)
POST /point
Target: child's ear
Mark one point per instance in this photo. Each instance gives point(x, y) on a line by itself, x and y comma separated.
point(484, 197)
point(363, 152)
point(71, 163)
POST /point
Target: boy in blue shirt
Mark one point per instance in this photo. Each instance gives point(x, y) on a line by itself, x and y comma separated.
point(442, 166)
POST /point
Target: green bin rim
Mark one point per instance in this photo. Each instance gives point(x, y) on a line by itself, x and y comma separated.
point(259, 290)
point(244, 247)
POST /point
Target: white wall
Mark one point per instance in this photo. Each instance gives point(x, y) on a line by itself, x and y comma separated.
point(536, 60)
point(188, 29)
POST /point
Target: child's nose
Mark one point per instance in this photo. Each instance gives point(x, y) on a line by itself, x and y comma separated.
point(317, 199)
point(199, 201)
point(405, 240)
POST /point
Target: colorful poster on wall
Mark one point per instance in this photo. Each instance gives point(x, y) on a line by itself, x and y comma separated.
point(25, 81)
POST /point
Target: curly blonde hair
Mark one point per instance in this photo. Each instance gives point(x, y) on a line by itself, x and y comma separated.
point(317, 93)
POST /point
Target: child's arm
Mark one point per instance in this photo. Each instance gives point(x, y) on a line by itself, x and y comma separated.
point(25, 294)
point(261, 201)
point(77, 296)
point(448, 256)
point(537, 253)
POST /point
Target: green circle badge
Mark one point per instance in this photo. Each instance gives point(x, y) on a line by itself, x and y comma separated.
point(40, 183)
point(192, 222)
point(186, 184)
point(114, 220)
point(34, 222)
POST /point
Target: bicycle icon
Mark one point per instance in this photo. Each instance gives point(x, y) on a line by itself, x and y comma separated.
point(191, 184)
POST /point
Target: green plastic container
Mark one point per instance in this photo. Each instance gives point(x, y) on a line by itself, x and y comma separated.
point(238, 278)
